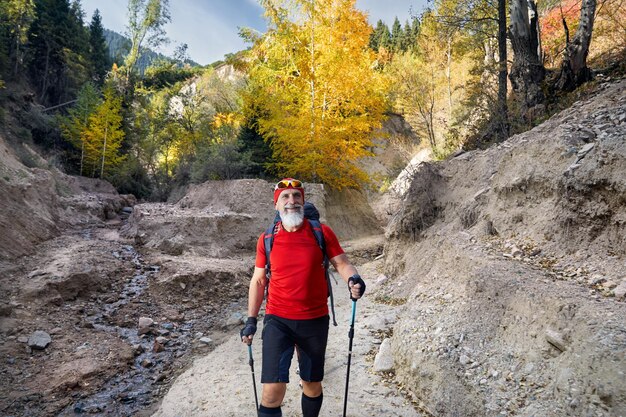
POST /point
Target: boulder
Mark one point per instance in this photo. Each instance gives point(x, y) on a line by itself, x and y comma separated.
point(39, 340)
point(383, 362)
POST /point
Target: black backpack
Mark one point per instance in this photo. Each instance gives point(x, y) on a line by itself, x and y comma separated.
point(313, 216)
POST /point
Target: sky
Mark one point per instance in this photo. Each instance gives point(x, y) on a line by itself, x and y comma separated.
point(210, 27)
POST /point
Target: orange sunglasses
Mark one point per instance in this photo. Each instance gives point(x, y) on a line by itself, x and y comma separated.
point(288, 183)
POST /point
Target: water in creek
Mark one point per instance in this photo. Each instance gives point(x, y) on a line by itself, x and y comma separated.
point(136, 389)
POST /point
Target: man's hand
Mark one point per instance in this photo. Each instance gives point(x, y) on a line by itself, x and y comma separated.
point(356, 285)
point(248, 331)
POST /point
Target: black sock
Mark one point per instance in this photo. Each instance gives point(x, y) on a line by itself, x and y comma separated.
point(269, 412)
point(311, 406)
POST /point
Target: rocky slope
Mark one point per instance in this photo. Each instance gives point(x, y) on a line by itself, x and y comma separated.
point(37, 203)
point(510, 265)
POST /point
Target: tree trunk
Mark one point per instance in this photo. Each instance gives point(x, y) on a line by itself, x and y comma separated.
point(426, 110)
point(313, 86)
point(449, 76)
point(574, 70)
point(17, 55)
point(82, 155)
point(502, 118)
point(527, 71)
point(104, 148)
point(44, 80)
point(82, 145)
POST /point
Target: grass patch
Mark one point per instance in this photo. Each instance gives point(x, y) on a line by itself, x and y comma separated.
point(389, 300)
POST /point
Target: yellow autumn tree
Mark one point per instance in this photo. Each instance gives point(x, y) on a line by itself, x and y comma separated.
point(420, 81)
point(430, 84)
point(316, 93)
point(103, 136)
point(76, 122)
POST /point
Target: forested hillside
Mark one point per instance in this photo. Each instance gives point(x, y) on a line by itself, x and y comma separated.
point(118, 47)
point(321, 79)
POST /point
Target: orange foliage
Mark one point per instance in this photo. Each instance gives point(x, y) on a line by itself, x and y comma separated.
point(609, 29)
point(553, 32)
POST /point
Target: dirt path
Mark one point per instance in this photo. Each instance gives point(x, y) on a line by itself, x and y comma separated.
point(221, 380)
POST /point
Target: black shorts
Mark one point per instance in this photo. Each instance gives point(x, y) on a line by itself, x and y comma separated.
point(280, 336)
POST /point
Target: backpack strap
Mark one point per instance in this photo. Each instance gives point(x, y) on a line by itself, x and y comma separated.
point(268, 242)
point(318, 232)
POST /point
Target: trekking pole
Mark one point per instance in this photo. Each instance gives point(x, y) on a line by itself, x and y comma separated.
point(351, 336)
point(256, 399)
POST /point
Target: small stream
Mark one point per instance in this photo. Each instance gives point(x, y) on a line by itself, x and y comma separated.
point(141, 386)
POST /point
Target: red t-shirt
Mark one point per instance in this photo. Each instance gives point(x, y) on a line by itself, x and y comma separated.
point(298, 288)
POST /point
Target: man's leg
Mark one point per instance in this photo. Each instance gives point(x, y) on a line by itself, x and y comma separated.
point(271, 399)
point(312, 389)
point(278, 348)
point(312, 398)
point(312, 339)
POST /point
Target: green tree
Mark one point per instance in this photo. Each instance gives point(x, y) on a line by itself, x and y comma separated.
point(185, 130)
point(17, 17)
point(4, 43)
point(220, 155)
point(146, 28)
point(397, 35)
point(415, 32)
point(486, 23)
point(380, 37)
point(375, 36)
point(58, 51)
point(253, 144)
point(407, 37)
point(165, 73)
point(99, 52)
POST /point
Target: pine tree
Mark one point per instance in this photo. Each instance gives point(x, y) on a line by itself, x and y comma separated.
point(16, 17)
point(5, 40)
point(58, 51)
point(99, 52)
point(407, 37)
point(396, 35)
point(415, 32)
point(376, 34)
point(385, 39)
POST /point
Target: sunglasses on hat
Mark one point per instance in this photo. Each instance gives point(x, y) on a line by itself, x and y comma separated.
point(286, 183)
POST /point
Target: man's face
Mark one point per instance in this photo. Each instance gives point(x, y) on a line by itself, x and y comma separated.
point(289, 201)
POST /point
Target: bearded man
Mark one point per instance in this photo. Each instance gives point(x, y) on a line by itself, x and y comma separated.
point(296, 312)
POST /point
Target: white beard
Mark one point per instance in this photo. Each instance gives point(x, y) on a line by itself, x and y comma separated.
point(292, 219)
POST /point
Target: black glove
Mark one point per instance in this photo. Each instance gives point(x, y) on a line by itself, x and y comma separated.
point(356, 279)
point(250, 327)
